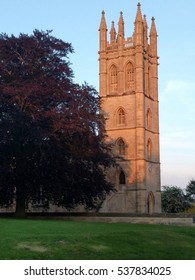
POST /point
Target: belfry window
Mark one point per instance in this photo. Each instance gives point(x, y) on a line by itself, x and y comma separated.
point(130, 77)
point(121, 117)
point(113, 78)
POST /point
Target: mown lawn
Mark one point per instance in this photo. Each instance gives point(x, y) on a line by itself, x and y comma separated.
point(58, 239)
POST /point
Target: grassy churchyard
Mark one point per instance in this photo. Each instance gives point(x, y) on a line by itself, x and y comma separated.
point(22, 239)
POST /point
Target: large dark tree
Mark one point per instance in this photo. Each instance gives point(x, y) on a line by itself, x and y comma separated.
point(52, 138)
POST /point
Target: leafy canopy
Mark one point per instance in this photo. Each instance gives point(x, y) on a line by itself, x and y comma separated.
point(174, 199)
point(52, 145)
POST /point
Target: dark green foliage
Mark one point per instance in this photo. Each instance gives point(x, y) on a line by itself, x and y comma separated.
point(52, 145)
point(190, 190)
point(174, 200)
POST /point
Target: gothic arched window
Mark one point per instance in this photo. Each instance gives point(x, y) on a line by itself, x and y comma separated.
point(122, 178)
point(121, 117)
point(113, 78)
point(121, 146)
point(149, 149)
point(151, 203)
point(130, 77)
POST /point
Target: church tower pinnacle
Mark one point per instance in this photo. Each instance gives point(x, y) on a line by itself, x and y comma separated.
point(138, 32)
point(103, 33)
point(153, 39)
point(145, 27)
point(128, 76)
point(112, 33)
point(121, 33)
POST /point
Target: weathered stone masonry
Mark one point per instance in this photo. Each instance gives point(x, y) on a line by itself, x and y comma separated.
point(128, 76)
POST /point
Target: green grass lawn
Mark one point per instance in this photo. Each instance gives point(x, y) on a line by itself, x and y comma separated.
point(58, 239)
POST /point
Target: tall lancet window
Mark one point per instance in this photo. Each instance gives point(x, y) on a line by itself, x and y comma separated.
point(113, 78)
point(121, 117)
point(130, 77)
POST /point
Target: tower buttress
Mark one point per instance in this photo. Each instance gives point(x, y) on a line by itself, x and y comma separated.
point(146, 57)
point(153, 79)
point(120, 41)
point(140, 108)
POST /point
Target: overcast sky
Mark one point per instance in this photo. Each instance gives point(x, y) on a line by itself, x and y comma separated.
point(77, 22)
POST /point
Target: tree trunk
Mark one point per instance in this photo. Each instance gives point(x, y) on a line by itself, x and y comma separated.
point(20, 205)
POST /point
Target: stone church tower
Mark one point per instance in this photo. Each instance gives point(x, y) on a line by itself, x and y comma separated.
point(128, 74)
